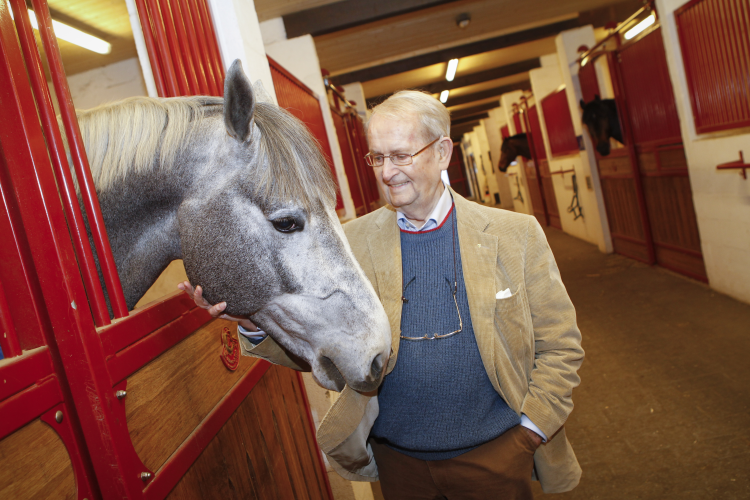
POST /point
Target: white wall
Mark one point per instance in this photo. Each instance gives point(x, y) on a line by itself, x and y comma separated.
point(299, 57)
point(593, 227)
point(722, 199)
point(486, 165)
point(106, 84)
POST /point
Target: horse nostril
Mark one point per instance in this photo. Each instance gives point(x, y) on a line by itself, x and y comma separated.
point(377, 366)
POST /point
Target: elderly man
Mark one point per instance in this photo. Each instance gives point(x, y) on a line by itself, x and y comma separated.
point(485, 342)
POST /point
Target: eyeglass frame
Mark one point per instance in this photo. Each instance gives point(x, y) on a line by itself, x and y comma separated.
point(445, 335)
point(369, 157)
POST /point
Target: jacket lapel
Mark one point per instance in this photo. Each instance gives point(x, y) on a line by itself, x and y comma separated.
point(479, 263)
point(385, 251)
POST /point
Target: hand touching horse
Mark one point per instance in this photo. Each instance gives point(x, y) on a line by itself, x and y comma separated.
point(239, 190)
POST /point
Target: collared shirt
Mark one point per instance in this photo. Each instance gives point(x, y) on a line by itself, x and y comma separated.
point(436, 218)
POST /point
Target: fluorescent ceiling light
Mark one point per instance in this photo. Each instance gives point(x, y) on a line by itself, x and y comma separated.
point(444, 95)
point(72, 35)
point(452, 65)
point(632, 32)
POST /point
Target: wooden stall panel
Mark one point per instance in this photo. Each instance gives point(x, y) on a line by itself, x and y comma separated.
point(625, 225)
point(265, 450)
point(36, 465)
point(589, 82)
point(350, 167)
point(715, 42)
point(170, 396)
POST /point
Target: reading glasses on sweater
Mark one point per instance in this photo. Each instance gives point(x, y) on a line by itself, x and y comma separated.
point(398, 159)
point(435, 335)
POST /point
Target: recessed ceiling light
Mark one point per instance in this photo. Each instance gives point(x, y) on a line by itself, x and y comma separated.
point(451, 72)
point(444, 96)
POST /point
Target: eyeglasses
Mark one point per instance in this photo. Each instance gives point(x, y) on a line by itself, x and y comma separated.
point(399, 159)
point(436, 335)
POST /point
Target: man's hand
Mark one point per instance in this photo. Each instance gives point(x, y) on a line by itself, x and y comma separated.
point(216, 310)
point(536, 438)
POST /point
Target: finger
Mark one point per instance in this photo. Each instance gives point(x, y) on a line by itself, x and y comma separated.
point(216, 310)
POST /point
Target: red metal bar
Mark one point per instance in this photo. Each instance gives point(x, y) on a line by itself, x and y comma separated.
point(22, 408)
point(165, 59)
point(180, 461)
point(205, 49)
point(208, 27)
point(183, 45)
point(80, 161)
point(562, 172)
point(173, 47)
point(735, 165)
point(311, 424)
point(148, 36)
point(8, 337)
point(65, 183)
point(130, 359)
point(196, 50)
point(24, 371)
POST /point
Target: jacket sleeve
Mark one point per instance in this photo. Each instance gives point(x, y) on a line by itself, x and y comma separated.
point(557, 339)
point(269, 350)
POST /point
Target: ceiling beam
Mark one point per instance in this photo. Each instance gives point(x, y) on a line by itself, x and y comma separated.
point(445, 55)
point(339, 16)
point(463, 113)
point(461, 121)
point(497, 91)
point(457, 132)
point(483, 76)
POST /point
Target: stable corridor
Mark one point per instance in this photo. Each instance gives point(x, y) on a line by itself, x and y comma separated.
point(663, 410)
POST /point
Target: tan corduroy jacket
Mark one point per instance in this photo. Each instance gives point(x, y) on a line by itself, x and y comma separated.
point(529, 343)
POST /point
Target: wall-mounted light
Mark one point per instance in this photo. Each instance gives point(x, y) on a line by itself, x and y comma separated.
point(451, 71)
point(75, 36)
point(444, 96)
point(463, 20)
point(635, 30)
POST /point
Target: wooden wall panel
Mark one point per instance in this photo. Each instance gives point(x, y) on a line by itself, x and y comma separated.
point(36, 465)
point(673, 221)
point(619, 197)
point(264, 451)
point(170, 396)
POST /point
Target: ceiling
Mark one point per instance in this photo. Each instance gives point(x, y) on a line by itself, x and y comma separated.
point(389, 45)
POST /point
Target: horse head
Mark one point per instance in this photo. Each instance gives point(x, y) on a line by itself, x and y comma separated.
point(600, 118)
point(260, 231)
point(511, 148)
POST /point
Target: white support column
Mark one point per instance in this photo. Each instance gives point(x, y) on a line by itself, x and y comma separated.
point(594, 226)
point(492, 125)
point(239, 36)
point(299, 57)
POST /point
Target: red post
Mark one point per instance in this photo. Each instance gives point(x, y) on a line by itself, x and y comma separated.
point(148, 37)
point(197, 52)
point(60, 163)
point(172, 46)
point(154, 15)
point(80, 161)
point(183, 46)
point(210, 35)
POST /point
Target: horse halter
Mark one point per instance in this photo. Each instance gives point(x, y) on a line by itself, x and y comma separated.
point(455, 291)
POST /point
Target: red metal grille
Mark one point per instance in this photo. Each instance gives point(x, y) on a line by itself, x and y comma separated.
point(715, 41)
point(648, 91)
point(560, 131)
point(301, 101)
point(182, 49)
point(505, 132)
point(589, 83)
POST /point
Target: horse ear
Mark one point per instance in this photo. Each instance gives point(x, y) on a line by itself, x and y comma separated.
point(583, 104)
point(239, 103)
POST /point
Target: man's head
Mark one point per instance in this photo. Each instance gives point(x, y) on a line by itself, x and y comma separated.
point(405, 123)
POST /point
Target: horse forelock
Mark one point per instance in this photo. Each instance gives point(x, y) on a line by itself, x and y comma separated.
point(290, 166)
point(130, 136)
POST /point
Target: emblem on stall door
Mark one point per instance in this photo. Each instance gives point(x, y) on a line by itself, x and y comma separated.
point(230, 349)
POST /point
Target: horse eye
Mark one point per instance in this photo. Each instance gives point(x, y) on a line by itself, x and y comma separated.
point(286, 225)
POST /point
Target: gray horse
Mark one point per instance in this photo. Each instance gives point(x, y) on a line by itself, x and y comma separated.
point(239, 190)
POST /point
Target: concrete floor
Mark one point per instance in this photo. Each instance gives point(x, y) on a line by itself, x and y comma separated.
point(663, 410)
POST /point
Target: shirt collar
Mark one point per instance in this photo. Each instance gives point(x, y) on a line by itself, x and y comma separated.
point(436, 218)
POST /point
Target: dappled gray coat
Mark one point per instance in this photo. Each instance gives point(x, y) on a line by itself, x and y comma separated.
point(529, 342)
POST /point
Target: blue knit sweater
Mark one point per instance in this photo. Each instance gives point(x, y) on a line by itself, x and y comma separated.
point(438, 402)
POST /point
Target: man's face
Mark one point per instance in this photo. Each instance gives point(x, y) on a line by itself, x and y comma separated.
point(413, 189)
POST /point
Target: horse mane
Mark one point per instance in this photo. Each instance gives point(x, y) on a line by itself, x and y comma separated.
point(128, 136)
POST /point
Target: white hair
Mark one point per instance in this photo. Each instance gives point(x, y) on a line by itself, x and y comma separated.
point(432, 115)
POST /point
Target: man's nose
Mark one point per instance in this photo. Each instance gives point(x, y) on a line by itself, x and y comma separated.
point(389, 169)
